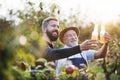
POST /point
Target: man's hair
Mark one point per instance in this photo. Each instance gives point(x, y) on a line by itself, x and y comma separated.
point(46, 21)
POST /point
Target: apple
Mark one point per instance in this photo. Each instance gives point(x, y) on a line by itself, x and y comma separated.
point(56, 78)
point(23, 66)
point(70, 69)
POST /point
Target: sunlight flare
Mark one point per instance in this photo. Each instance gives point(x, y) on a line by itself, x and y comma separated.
point(22, 40)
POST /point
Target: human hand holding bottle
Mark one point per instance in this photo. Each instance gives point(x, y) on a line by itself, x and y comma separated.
point(105, 38)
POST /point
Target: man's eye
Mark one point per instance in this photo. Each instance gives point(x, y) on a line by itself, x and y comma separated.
point(69, 35)
point(53, 25)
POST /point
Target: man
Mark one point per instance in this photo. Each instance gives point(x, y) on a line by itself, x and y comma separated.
point(50, 29)
point(69, 37)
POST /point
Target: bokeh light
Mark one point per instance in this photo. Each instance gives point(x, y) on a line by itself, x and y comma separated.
point(22, 40)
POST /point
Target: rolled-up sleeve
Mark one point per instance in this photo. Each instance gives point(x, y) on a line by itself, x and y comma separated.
point(89, 54)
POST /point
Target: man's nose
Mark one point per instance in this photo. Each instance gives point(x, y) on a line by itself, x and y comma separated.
point(57, 28)
point(74, 37)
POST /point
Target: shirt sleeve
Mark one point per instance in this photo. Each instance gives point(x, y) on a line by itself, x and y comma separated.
point(55, 54)
point(89, 54)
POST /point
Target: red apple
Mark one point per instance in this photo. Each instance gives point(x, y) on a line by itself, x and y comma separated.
point(56, 78)
point(70, 69)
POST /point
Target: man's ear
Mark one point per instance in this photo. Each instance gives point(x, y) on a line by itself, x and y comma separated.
point(44, 30)
point(63, 39)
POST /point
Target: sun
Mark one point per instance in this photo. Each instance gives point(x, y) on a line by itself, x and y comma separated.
point(101, 10)
point(95, 9)
point(104, 10)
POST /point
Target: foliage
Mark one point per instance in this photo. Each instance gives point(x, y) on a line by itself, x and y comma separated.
point(6, 48)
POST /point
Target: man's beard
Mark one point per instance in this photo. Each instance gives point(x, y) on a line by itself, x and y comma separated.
point(72, 44)
point(51, 36)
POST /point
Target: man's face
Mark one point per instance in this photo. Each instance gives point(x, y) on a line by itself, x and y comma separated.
point(52, 30)
point(70, 38)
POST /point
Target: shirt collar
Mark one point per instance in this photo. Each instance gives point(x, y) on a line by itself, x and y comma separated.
point(50, 45)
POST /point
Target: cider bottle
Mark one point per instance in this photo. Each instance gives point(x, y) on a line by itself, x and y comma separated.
point(95, 33)
point(102, 32)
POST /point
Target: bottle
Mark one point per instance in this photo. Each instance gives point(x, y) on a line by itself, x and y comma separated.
point(102, 32)
point(95, 33)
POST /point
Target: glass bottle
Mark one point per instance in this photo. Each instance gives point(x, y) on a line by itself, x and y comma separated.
point(95, 33)
point(102, 32)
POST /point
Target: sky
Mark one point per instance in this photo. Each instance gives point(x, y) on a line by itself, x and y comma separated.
point(95, 9)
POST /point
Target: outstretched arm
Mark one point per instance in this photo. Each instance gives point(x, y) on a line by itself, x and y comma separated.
point(103, 50)
point(55, 54)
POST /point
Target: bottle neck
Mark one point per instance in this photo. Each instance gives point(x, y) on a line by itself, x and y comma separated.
point(103, 28)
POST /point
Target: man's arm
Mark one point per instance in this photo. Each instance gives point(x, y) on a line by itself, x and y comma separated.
point(55, 54)
point(101, 53)
point(103, 50)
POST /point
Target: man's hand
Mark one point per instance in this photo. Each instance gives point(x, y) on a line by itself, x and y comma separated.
point(107, 37)
point(88, 44)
